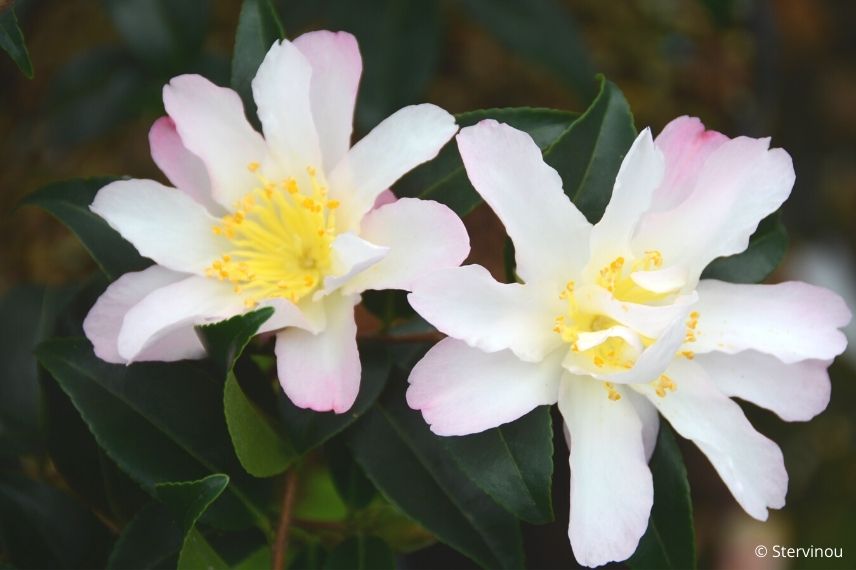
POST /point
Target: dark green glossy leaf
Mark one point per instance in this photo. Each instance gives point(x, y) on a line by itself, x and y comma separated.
point(388, 305)
point(226, 340)
point(41, 527)
point(353, 486)
point(159, 422)
point(513, 464)
point(307, 429)
point(258, 28)
point(189, 499)
point(589, 154)
point(766, 250)
point(69, 202)
point(12, 40)
point(361, 553)
point(444, 180)
point(259, 446)
point(412, 468)
point(669, 541)
point(151, 540)
point(543, 32)
point(161, 33)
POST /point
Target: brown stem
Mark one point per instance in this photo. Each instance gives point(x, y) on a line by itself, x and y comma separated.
point(280, 545)
point(404, 338)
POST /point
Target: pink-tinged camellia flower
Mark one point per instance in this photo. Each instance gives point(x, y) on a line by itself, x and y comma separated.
point(297, 219)
point(613, 322)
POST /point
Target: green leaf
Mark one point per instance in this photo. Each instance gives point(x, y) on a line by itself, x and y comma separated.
point(12, 41)
point(513, 464)
point(258, 27)
point(353, 486)
point(151, 540)
point(307, 429)
point(258, 444)
point(226, 340)
point(69, 202)
point(543, 32)
point(444, 179)
point(317, 498)
point(361, 553)
point(159, 422)
point(197, 553)
point(161, 33)
point(588, 155)
point(766, 250)
point(669, 541)
point(162, 530)
point(412, 468)
point(41, 527)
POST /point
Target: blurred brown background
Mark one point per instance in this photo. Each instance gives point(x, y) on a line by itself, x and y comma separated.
point(780, 68)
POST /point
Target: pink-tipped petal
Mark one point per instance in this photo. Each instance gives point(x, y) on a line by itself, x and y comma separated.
point(322, 371)
point(281, 90)
point(795, 392)
point(212, 126)
point(506, 167)
point(180, 305)
point(467, 303)
point(352, 255)
point(164, 224)
point(462, 390)
point(384, 198)
point(402, 141)
point(750, 464)
point(611, 486)
point(183, 168)
point(422, 236)
point(104, 321)
point(336, 69)
point(792, 321)
point(686, 145)
point(741, 182)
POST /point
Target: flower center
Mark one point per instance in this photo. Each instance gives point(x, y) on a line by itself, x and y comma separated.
point(281, 237)
point(616, 278)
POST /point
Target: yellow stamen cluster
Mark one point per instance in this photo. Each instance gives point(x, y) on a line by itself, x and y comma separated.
point(611, 392)
point(692, 324)
point(281, 239)
point(610, 274)
point(664, 384)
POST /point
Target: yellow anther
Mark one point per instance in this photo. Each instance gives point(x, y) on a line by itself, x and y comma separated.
point(557, 329)
point(291, 186)
point(688, 354)
point(598, 361)
point(309, 204)
point(253, 166)
point(308, 280)
point(611, 392)
point(664, 384)
point(310, 170)
point(250, 303)
point(333, 204)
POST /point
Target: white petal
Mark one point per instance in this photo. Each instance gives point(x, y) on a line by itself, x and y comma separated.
point(281, 91)
point(162, 223)
point(402, 141)
point(322, 371)
point(351, 256)
point(422, 236)
point(462, 390)
point(336, 69)
point(649, 320)
point(611, 486)
point(468, 304)
point(792, 321)
point(740, 183)
point(307, 315)
point(183, 168)
point(648, 415)
point(505, 166)
point(212, 125)
point(104, 321)
point(640, 173)
point(796, 392)
point(191, 301)
point(750, 464)
point(662, 280)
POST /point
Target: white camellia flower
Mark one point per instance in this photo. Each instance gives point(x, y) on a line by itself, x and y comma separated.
point(613, 322)
point(297, 220)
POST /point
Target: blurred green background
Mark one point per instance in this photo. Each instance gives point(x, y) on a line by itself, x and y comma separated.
point(780, 68)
